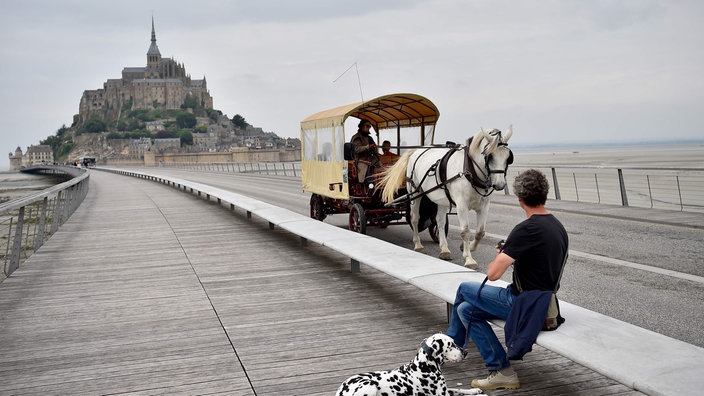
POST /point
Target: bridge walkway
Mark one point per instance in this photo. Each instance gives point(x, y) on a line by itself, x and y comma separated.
point(147, 290)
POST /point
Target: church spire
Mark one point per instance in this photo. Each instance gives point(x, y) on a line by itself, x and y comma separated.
point(153, 49)
point(153, 33)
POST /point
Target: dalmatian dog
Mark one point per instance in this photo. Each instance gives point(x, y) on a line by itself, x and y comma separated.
point(422, 376)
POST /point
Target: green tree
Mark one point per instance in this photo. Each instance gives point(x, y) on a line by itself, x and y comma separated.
point(213, 114)
point(62, 131)
point(239, 122)
point(186, 137)
point(186, 120)
point(94, 125)
point(165, 134)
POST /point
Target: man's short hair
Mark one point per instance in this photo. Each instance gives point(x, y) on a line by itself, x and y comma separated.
point(532, 187)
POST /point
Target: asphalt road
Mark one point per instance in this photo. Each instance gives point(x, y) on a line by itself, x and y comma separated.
point(592, 279)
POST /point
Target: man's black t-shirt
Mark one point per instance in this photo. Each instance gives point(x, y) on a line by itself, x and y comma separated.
point(538, 245)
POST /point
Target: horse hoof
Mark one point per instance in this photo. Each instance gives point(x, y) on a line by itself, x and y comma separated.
point(419, 249)
point(445, 256)
point(473, 266)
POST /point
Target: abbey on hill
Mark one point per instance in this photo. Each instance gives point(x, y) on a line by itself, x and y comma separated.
point(162, 83)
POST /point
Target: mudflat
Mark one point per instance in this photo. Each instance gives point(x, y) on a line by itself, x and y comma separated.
point(650, 156)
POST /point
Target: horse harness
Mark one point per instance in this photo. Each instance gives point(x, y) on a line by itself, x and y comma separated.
point(469, 171)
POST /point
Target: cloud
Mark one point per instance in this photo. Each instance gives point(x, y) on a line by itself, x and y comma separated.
point(557, 70)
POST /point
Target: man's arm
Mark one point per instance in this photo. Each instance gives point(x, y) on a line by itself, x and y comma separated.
point(498, 266)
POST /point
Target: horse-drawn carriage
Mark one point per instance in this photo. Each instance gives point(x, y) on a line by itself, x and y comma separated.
point(420, 187)
point(330, 169)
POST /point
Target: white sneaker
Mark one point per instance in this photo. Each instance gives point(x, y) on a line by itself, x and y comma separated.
point(496, 380)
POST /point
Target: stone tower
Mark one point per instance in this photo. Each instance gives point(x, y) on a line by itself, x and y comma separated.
point(153, 57)
point(16, 159)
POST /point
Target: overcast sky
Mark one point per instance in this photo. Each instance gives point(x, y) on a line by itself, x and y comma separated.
point(560, 71)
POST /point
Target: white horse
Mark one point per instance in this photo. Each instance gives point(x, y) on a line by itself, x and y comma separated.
point(463, 177)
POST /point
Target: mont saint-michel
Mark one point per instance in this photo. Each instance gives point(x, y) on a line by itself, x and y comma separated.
point(155, 114)
point(162, 83)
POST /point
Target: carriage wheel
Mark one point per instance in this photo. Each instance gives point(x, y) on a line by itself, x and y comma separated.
point(358, 221)
point(317, 207)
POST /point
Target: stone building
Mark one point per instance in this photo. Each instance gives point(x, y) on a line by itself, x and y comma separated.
point(35, 155)
point(166, 145)
point(16, 159)
point(163, 83)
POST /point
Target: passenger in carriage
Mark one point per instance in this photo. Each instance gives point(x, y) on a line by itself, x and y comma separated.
point(386, 150)
point(365, 150)
point(387, 156)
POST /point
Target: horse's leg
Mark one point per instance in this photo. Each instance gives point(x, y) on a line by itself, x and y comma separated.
point(415, 217)
point(441, 219)
point(463, 213)
point(482, 215)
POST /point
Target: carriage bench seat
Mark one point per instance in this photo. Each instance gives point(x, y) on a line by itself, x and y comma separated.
point(644, 360)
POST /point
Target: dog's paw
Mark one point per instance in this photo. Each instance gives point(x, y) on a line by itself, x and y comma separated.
point(461, 392)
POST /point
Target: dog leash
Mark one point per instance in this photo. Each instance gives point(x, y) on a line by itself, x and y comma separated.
point(469, 322)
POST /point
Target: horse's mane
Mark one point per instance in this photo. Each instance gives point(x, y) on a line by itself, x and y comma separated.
point(474, 147)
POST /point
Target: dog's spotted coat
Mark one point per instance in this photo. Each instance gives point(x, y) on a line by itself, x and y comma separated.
point(422, 376)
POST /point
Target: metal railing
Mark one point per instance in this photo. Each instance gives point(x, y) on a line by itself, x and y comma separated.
point(27, 222)
point(265, 168)
point(662, 188)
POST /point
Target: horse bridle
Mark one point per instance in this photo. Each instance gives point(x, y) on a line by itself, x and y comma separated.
point(470, 171)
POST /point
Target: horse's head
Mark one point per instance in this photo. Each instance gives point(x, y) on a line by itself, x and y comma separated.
point(494, 155)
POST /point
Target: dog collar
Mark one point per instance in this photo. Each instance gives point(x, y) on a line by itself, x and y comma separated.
point(426, 348)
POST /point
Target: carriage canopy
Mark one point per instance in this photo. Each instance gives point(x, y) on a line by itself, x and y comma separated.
point(405, 119)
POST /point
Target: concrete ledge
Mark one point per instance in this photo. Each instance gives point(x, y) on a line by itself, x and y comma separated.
point(644, 360)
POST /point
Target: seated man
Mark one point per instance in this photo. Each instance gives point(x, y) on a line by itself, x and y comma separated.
point(536, 248)
point(364, 149)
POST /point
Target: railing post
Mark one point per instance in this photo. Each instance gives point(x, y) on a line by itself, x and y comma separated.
point(555, 186)
point(57, 211)
point(650, 192)
point(598, 194)
point(679, 191)
point(39, 239)
point(622, 185)
point(16, 244)
point(68, 199)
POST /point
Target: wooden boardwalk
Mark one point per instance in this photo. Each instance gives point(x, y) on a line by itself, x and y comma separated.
point(147, 290)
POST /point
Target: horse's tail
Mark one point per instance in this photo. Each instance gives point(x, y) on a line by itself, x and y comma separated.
point(393, 178)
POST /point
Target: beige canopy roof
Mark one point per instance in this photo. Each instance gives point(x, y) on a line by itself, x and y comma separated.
point(388, 111)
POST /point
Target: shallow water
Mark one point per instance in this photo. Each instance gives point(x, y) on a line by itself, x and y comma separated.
point(15, 185)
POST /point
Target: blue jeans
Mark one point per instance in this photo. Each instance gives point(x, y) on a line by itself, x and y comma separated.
point(468, 310)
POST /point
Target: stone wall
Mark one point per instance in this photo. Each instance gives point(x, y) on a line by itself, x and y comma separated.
point(239, 156)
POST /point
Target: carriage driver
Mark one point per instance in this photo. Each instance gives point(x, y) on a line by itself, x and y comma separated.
point(365, 150)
